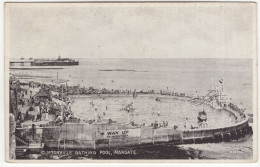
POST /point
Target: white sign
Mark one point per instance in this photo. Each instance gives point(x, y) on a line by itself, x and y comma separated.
point(123, 133)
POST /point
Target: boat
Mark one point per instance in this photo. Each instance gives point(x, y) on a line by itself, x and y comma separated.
point(55, 62)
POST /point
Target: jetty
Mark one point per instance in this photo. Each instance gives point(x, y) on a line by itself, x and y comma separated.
point(21, 62)
point(44, 62)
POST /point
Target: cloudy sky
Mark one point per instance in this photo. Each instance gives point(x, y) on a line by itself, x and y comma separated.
point(175, 30)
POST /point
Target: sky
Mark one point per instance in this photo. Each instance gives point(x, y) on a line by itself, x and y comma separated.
point(130, 30)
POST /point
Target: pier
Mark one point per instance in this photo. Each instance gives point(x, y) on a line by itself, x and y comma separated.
point(21, 63)
point(44, 62)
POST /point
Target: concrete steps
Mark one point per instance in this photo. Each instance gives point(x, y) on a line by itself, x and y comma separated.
point(20, 151)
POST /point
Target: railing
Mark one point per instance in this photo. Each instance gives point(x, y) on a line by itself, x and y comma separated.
point(21, 139)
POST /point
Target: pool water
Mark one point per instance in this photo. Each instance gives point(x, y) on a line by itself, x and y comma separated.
point(146, 110)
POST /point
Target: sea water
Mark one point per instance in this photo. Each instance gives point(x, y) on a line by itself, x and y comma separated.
point(148, 111)
point(181, 75)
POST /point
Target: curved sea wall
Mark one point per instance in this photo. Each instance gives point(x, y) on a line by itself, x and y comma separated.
point(100, 135)
point(227, 133)
point(152, 136)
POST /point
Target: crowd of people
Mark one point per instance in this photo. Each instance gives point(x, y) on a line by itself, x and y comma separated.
point(62, 111)
point(78, 90)
point(156, 124)
point(42, 111)
point(40, 105)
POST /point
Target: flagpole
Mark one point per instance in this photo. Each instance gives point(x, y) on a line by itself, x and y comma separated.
point(95, 113)
point(159, 112)
point(158, 117)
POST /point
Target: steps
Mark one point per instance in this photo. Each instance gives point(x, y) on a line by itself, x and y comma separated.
point(20, 151)
point(21, 146)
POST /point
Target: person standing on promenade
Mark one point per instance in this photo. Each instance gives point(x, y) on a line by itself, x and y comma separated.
point(37, 110)
point(40, 116)
point(27, 115)
point(43, 113)
point(47, 112)
point(186, 125)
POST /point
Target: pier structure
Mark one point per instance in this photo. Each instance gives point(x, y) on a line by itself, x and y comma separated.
point(216, 97)
point(44, 62)
point(21, 63)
